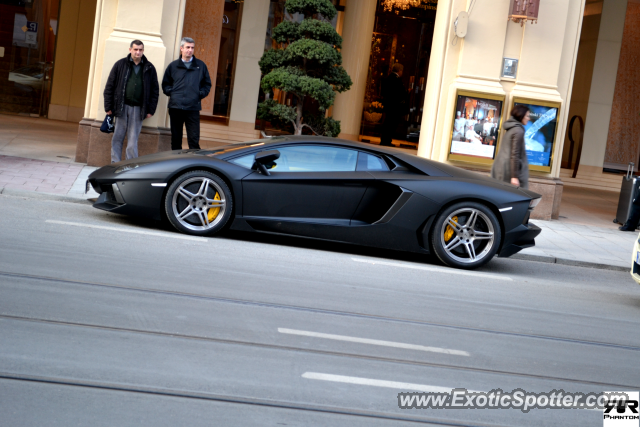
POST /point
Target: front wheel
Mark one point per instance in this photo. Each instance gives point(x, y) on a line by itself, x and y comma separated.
point(198, 203)
point(466, 235)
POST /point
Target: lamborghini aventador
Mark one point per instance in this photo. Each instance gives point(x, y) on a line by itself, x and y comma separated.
point(325, 188)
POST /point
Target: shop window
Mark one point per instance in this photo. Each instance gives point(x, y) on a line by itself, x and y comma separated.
point(215, 27)
point(400, 36)
point(28, 38)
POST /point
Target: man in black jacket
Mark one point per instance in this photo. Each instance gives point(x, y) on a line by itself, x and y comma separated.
point(131, 95)
point(394, 100)
point(186, 81)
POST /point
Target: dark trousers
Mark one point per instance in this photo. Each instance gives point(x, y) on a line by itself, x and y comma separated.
point(389, 127)
point(188, 118)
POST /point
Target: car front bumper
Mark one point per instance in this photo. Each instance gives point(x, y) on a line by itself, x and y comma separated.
point(521, 237)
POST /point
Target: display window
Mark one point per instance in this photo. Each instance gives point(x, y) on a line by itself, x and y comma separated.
point(540, 132)
point(476, 125)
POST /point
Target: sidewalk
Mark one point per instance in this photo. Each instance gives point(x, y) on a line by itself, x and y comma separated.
point(36, 160)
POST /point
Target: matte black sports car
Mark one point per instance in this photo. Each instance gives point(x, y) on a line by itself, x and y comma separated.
point(327, 189)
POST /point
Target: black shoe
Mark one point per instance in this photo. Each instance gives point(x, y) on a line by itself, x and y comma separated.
point(626, 228)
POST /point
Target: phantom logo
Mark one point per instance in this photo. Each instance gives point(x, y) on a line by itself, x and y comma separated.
point(621, 406)
point(622, 412)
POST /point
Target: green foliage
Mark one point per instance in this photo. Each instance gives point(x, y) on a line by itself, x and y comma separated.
point(322, 125)
point(311, 7)
point(274, 58)
point(318, 30)
point(307, 65)
point(286, 32)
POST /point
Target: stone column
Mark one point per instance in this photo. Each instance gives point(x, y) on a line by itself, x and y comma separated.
point(603, 83)
point(140, 19)
point(246, 83)
point(359, 18)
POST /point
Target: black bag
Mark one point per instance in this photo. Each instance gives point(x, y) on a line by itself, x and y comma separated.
point(108, 124)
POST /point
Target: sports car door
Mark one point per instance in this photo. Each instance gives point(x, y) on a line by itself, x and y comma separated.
point(310, 184)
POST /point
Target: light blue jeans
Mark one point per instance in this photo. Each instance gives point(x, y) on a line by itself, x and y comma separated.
point(129, 125)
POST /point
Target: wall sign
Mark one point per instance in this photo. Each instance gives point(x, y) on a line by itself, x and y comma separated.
point(477, 120)
point(523, 10)
point(509, 68)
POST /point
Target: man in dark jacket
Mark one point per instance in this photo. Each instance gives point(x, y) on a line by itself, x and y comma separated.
point(394, 101)
point(131, 95)
point(186, 81)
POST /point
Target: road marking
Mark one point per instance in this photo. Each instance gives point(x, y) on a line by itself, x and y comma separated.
point(436, 269)
point(373, 342)
point(377, 383)
point(389, 384)
point(124, 230)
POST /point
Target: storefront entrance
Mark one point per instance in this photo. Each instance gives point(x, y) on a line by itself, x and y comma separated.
point(27, 44)
point(403, 33)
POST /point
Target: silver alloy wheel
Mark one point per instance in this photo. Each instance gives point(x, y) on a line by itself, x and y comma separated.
point(195, 215)
point(467, 234)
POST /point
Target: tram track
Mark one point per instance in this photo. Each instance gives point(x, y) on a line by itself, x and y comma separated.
point(230, 399)
point(245, 302)
point(450, 366)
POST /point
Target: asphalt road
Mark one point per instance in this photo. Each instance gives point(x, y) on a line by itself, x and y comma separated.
point(106, 320)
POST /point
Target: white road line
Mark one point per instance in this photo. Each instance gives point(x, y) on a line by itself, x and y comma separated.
point(373, 342)
point(435, 269)
point(376, 383)
point(389, 384)
point(124, 230)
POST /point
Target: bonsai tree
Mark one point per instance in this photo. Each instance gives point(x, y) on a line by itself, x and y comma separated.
point(307, 65)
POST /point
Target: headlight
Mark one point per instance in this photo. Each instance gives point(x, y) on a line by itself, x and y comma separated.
point(129, 167)
point(532, 204)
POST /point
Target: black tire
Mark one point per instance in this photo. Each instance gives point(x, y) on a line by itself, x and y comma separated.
point(190, 203)
point(460, 246)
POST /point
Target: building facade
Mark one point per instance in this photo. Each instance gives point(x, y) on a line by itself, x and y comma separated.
point(574, 58)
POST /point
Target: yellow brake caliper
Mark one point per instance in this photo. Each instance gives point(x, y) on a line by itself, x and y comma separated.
point(448, 232)
point(213, 212)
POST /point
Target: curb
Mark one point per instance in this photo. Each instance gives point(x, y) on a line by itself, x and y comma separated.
point(569, 262)
point(43, 196)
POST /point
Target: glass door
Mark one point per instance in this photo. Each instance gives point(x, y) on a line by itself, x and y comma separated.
point(28, 31)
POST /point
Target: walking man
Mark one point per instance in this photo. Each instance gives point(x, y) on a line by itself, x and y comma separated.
point(131, 95)
point(394, 99)
point(186, 81)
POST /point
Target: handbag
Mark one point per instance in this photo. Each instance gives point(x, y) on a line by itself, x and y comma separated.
point(108, 124)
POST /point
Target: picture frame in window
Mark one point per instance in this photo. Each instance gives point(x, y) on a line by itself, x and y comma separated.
point(540, 134)
point(476, 127)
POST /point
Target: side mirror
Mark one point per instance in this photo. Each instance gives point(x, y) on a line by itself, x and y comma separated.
point(264, 158)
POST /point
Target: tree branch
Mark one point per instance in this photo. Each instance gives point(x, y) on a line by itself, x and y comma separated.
point(304, 126)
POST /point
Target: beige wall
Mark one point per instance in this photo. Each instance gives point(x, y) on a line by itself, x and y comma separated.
point(246, 85)
point(603, 82)
point(582, 79)
point(546, 51)
point(72, 59)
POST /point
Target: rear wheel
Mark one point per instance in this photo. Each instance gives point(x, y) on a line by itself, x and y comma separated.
point(466, 235)
point(198, 203)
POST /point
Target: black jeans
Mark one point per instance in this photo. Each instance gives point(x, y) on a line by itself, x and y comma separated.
point(188, 118)
point(389, 127)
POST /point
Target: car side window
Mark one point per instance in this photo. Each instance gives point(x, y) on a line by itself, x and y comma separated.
point(369, 162)
point(308, 158)
point(315, 158)
point(244, 161)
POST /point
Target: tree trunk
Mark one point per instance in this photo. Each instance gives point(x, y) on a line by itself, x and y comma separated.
point(298, 126)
